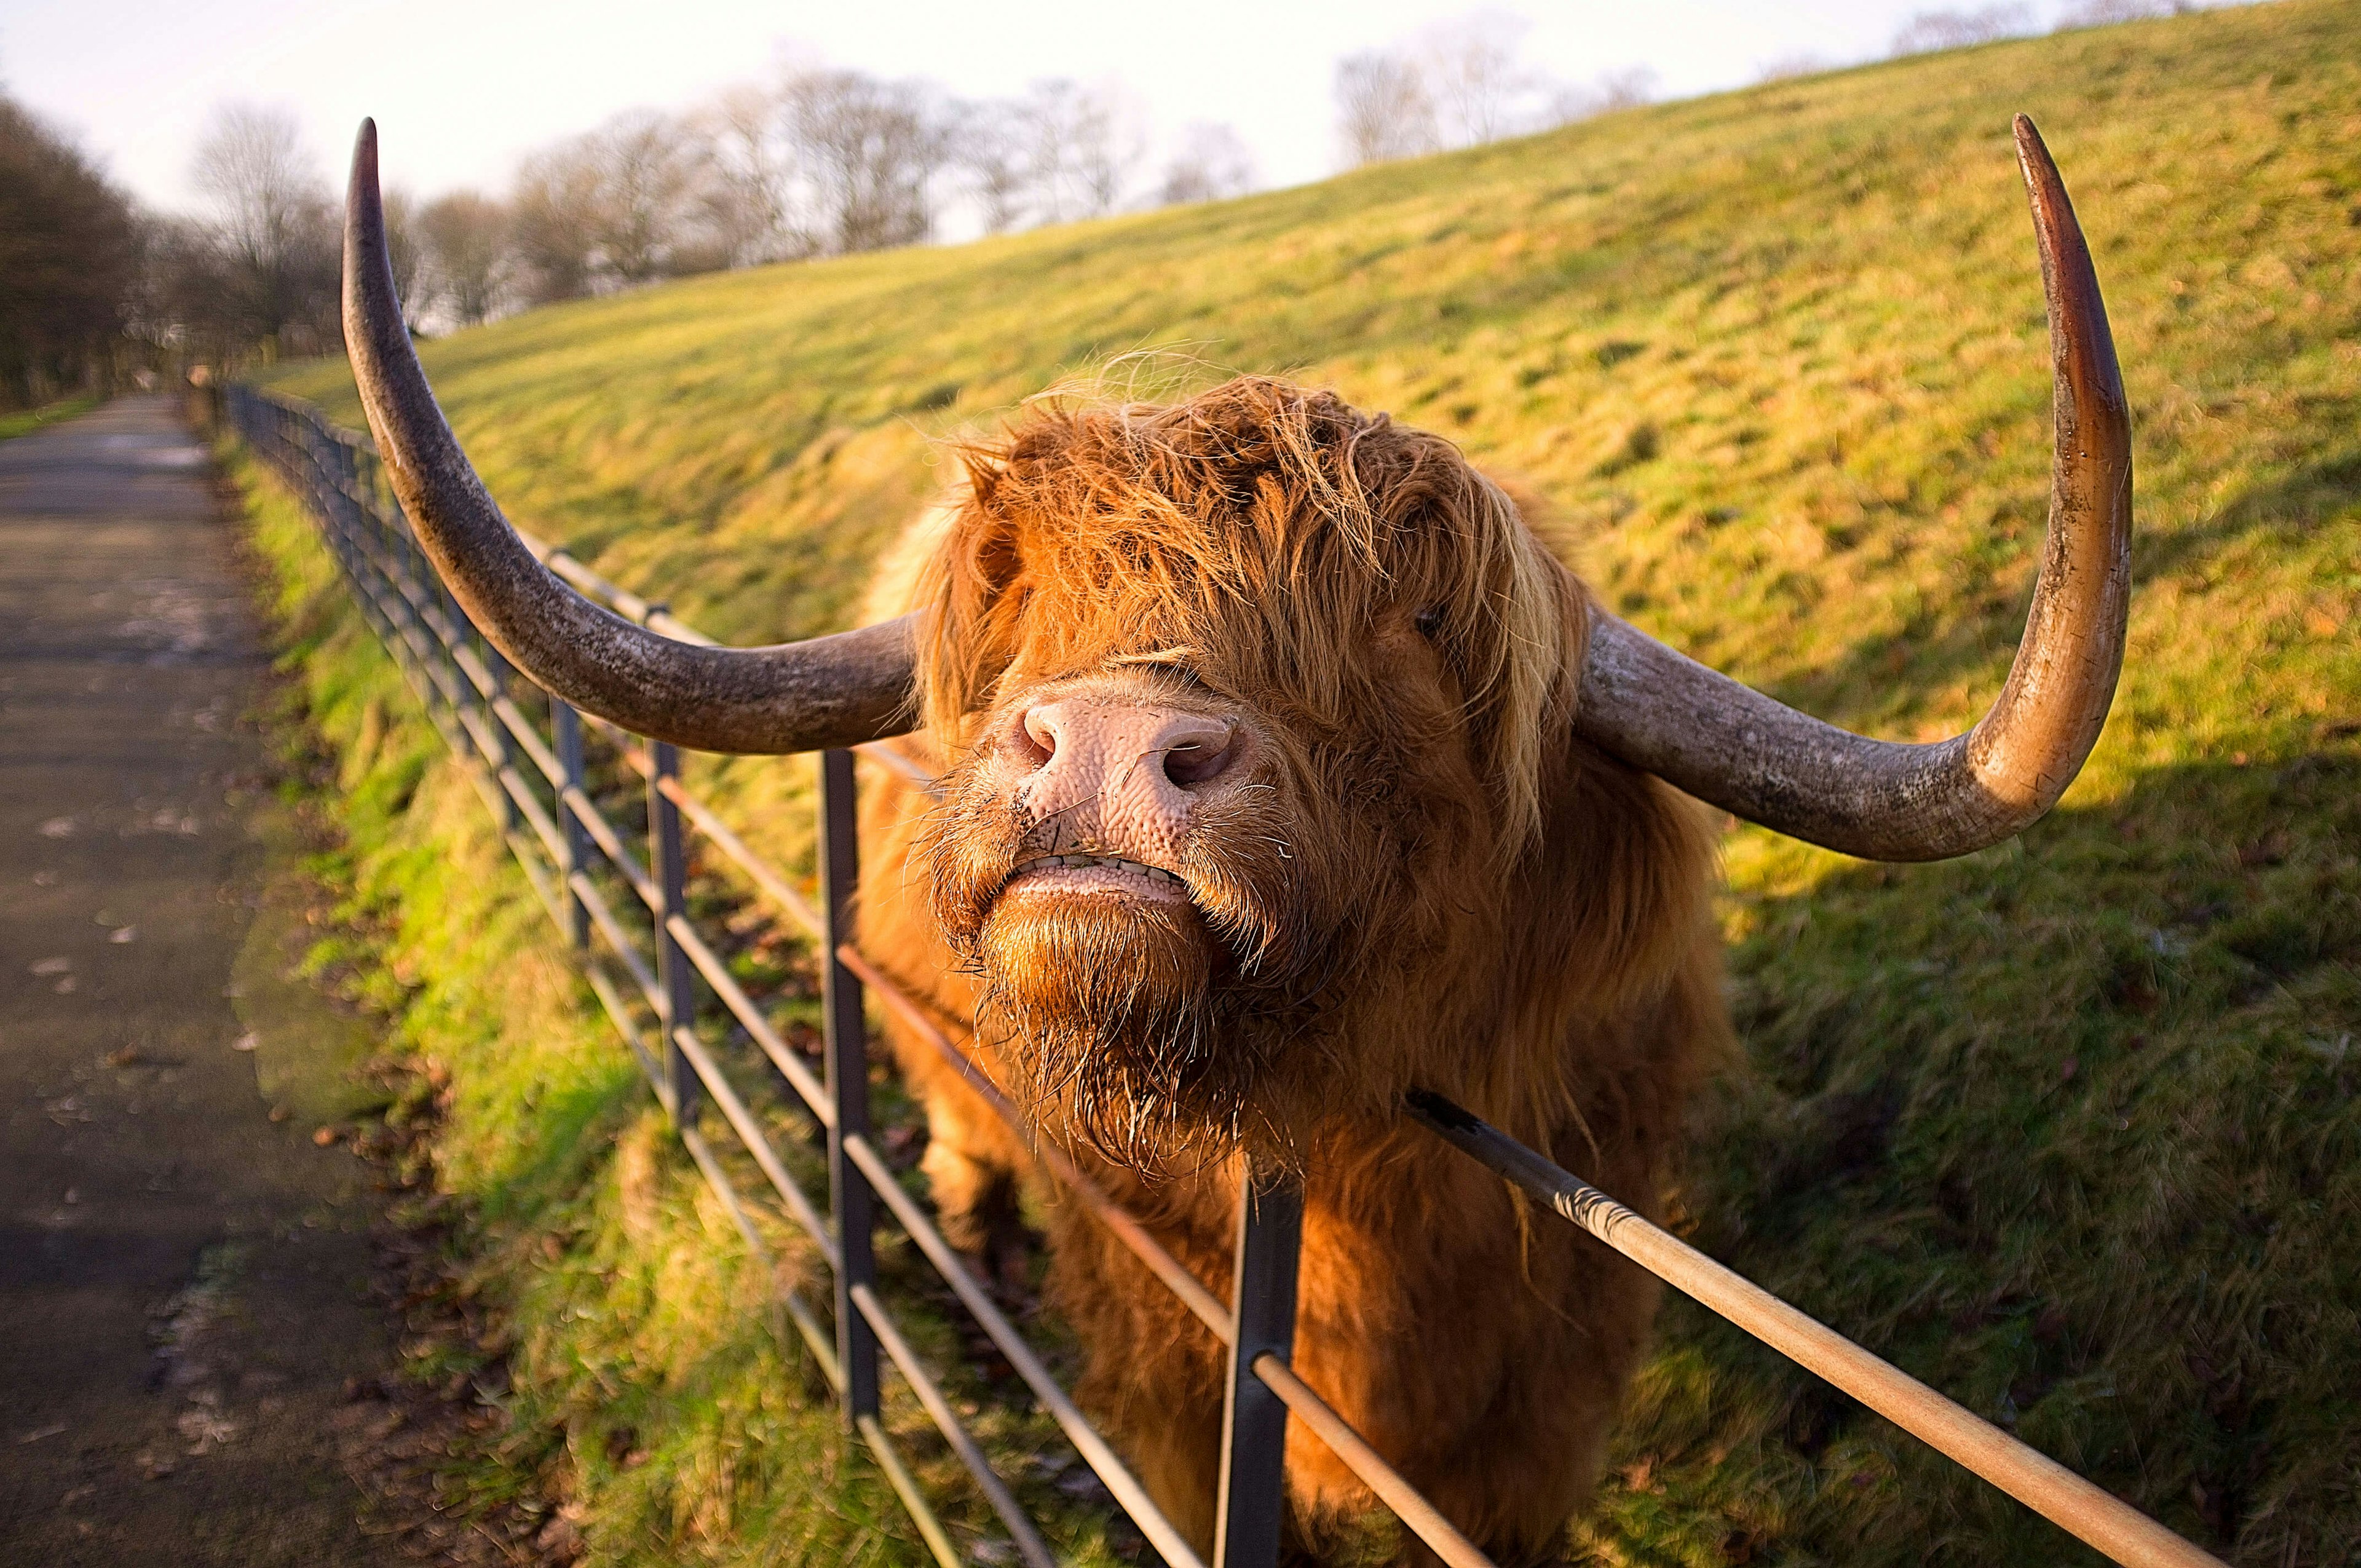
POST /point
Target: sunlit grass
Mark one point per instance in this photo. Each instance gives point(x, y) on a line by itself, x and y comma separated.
point(2069, 1127)
point(23, 421)
point(648, 1370)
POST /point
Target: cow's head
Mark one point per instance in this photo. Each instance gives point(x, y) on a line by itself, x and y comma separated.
point(1243, 689)
point(1222, 677)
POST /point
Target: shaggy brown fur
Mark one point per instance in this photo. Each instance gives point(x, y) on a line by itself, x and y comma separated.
point(1429, 885)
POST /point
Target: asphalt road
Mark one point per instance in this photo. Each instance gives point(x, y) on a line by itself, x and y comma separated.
point(179, 1272)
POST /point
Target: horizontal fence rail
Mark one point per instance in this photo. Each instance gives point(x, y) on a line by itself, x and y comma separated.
point(626, 915)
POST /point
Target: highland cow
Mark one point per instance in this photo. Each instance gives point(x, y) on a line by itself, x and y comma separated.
point(1254, 825)
point(1283, 774)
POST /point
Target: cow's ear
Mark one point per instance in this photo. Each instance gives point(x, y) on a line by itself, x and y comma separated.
point(975, 610)
point(982, 563)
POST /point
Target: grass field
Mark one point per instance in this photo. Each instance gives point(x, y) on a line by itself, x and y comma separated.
point(2068, 1128)
point(23, 421)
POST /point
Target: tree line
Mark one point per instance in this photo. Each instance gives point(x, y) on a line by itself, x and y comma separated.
point(70, 260)
point(816, 161)
point(1464, 83)
point(820, 162)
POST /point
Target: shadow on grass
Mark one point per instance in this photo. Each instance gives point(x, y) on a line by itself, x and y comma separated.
point(2069, 1130)
point(1972, 635)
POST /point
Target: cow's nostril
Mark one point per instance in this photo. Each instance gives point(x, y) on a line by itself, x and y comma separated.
point(1035, 738)
point(1198, 760)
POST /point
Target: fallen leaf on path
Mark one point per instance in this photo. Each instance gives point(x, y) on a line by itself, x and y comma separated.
point(58, 828)
point(52, 966)
point(127, 934)
point(206, 1430)
point(246, 1042)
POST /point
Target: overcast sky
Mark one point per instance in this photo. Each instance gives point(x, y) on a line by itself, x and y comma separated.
point(461, 88)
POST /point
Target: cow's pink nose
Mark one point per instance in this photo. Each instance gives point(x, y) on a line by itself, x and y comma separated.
point(1126, 773)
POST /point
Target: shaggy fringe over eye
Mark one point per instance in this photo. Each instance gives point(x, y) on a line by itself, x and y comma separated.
point(1267, 531)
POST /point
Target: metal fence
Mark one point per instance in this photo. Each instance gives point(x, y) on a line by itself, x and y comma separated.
point(627, 915)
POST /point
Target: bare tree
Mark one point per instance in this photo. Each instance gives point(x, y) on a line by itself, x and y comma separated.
point(1086, 146)
point(189, 302)
point(1786, 68)
point(751, 196)
point(1383, 108)
point(1107, 146)
point(1930, 31)
point(992, 143)
point(1048, 108)
point(2107, 13)
point(1475, 78)
point(275, 223)
point(1628, 87)
point(1212, 163)
point(406, 249)
point(553, 221)
point(465, 236)
point(69, 263)
point(650, 178)
point(619, 206)
point(873, 149)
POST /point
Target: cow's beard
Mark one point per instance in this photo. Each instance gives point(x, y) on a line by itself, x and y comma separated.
point(1117, 1020)
point(1141, 1027)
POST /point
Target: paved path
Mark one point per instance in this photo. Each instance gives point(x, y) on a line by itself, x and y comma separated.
point(178, 1273)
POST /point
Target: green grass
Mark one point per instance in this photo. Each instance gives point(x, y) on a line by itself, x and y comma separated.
point(23, 421)
point(2068, 1128)
point(651, 1387)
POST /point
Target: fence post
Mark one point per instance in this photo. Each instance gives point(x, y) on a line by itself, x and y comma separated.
point(461, 631)
point(496, 666)
point(360, 548)
point(416, 595)
point(384, 521)
point(848, 1084)
point(349, 529)
point(565, 729)
point(392, 531)
point(668, 854)
point(334, 501)
point(1252, 1501)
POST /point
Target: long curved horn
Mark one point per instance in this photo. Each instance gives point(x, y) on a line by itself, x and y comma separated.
point(795, 696)
point(1883, 800)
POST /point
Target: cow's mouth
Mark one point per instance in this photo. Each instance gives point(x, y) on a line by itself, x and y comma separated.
point(1102, 875)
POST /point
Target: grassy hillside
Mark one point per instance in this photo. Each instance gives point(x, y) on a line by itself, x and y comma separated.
point(2068, 1128)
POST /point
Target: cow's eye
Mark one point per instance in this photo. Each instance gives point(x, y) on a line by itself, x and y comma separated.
point(1430, 621)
